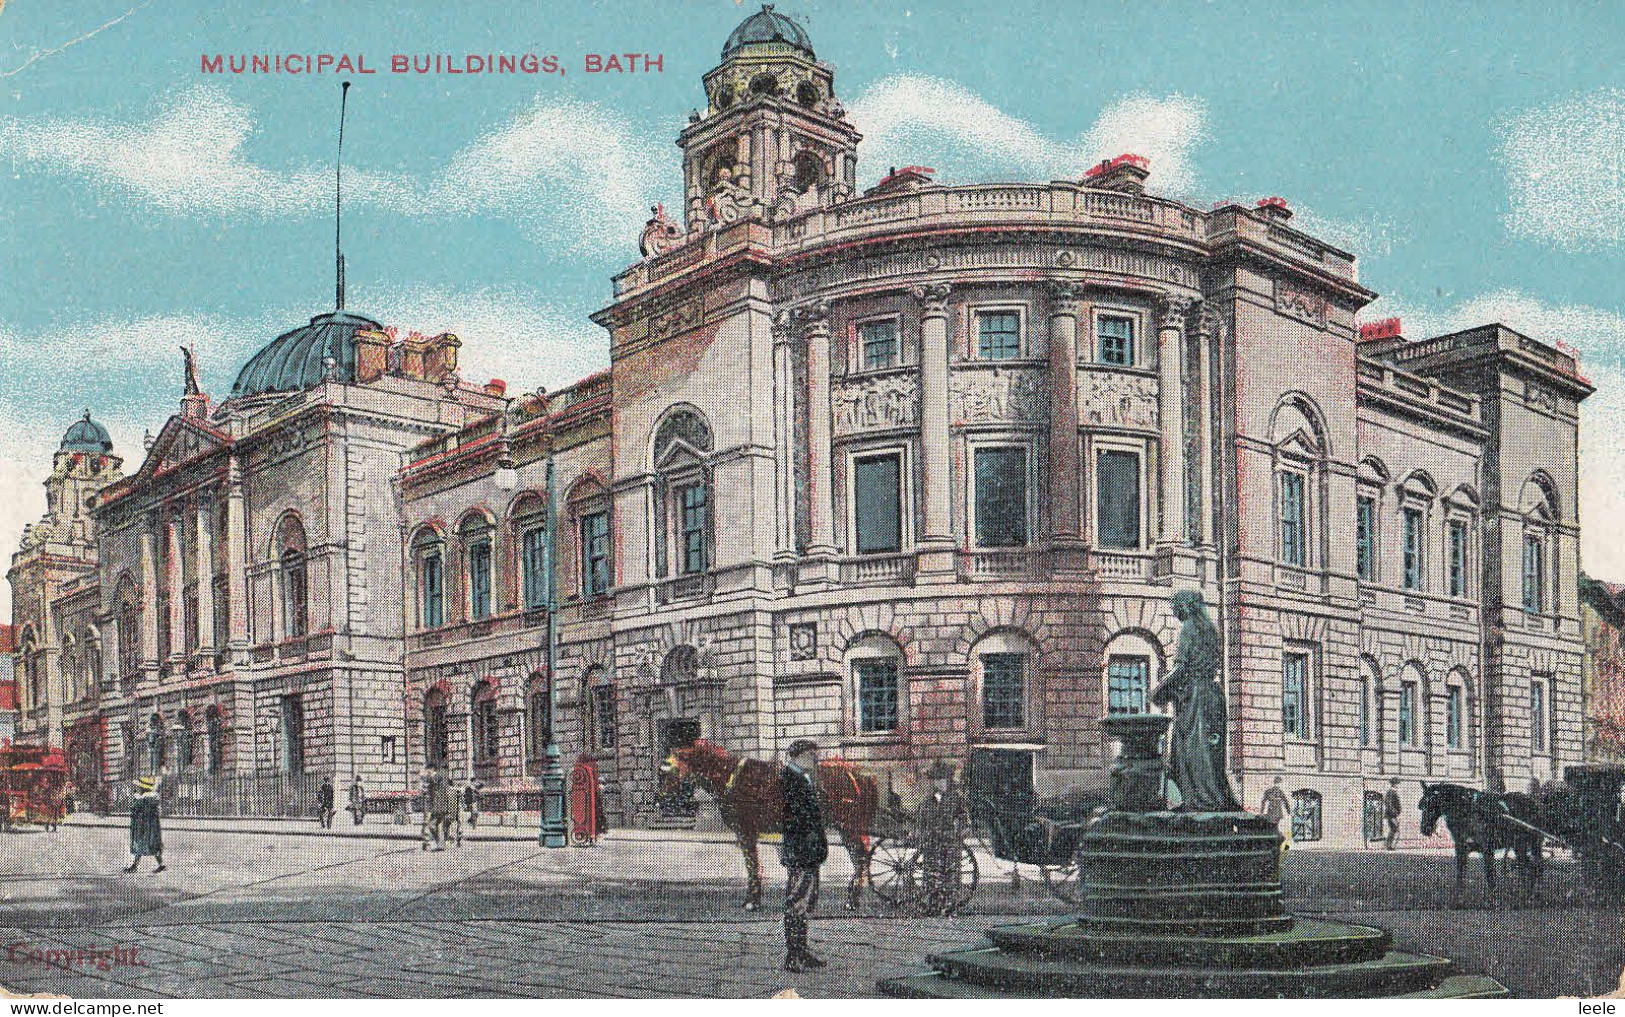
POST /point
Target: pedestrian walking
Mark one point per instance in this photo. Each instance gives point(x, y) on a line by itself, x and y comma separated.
point(803, 850)
point(324, 803)
point(440, 808)
point(1276, 807)
point(146, 832)
point(1391, 809)
point(942, 820)
point(471, 802)
point(357, 799)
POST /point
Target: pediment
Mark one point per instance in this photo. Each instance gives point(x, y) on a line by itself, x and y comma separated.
point(181, 441)
point(1300, 444)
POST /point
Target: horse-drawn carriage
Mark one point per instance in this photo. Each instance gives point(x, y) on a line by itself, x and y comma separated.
point(33, 784)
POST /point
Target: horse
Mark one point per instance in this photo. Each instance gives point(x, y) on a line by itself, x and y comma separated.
point(1486, 822)
point(748, 796)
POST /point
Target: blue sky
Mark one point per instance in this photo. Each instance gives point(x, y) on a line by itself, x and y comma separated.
point(1473, 155)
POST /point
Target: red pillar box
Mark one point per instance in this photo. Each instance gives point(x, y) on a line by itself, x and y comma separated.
point(586, 817)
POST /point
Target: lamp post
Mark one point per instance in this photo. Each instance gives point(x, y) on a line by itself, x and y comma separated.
point(552, 833)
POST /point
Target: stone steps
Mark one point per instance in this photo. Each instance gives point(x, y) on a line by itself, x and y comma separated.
point(935, 985)
point(1307, 942)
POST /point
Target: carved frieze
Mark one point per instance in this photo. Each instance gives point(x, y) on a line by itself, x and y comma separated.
point(1538, 395)
point(1117, 400)
point(882, 401)
point(679, 319)
point(999, 394)
point(1294, 301)
point(1013, 255)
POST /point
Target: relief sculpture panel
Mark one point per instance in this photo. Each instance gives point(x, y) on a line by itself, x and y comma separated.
point(1117, 400)
point(981, 395)
point(889, 400)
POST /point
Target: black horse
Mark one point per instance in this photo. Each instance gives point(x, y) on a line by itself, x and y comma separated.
point(1487, 822)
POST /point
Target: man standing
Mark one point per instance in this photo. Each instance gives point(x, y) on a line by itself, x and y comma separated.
point(1390, 810)
point(942, 821)
point(1276, 807)
point(146, 834)
point(471, 802)
point(804, 849)
point(358, 799)
point(324, 803)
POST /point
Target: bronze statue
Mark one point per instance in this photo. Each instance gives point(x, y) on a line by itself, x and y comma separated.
point(1196, 753)
point(191, 371)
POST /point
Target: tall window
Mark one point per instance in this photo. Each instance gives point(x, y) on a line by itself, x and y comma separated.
point(1454, 709)
point(189, 619)
point(1117, 499)
point(877, 694)
point(1407, 713)
point(129, 631)
point(1458, 557)
point(1539, 715)
point(603, 708)
point(877, 503)
point(877, 343)
point(538, 720)
point(1411, 538)
point(1534, 574)
point(998, 335)
point(691, 503)
point(291, 571)
point(432, 583)
point(1001, 497)
point(1128, 682)
point(436, 733)
point(479, 578)
point(1295, 695)
point(594, 554)
point(487, 734)
point(1365, 710)
point(1116, 334)
point(293, 735)
point(533, 563)
point(1004, 690)
point(1365, 538)
point(1294, 536)
point(222, 614)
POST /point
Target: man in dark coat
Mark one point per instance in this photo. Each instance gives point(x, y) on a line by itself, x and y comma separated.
point(324, 803)
point(358, 799)
point(942, 820)
point(804, 849)
point(146, 835)
point(1390, 810)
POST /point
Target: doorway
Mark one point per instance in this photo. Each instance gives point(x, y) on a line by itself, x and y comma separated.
point(674, 735)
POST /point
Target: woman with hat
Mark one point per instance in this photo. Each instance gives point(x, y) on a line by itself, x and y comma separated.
point(146, 836)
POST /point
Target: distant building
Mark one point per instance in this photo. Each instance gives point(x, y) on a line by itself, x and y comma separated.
point(8, 684)
point(1602, 624)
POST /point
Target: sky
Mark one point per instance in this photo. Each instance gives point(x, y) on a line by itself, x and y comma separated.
point(1472, 156)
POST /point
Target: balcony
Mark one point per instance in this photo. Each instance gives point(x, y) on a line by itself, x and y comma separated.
point(693, 587)
point(1008, 565)
point(878, 570)
point(1121, 566)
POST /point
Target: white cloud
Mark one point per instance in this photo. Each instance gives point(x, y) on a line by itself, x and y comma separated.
point(1565, 166)
point(911, 119)
point(1369, 236)
point(1598, 336)
point(571, 173)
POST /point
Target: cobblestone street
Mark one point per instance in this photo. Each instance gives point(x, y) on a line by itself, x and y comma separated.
point(259, 914)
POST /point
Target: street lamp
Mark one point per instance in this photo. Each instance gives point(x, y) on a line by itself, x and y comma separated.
point(552, 831)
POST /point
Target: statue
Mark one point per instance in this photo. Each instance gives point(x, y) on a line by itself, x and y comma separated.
point(191, 371)
point(1197, 749)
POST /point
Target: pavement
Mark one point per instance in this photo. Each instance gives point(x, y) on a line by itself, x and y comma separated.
point(270, 909)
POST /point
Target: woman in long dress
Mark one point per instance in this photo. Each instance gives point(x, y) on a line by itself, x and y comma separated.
point(1196, 754)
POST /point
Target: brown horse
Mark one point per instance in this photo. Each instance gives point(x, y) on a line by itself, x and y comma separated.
point(748, 796)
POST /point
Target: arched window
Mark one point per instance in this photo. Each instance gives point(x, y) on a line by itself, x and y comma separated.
point(69, 668)
point(30, 693)
point(476, 537)
point(874, 665)
point(128, 630)
point(93, 661)
point(589, 509)
point(183, 741)
point(1370, 690)
point(1300, 456)
point(530, 535)
point(1413, 719)
point(1306, 815)
point(1002, 665)
point(1540, 509)
point(682, 494)
point(215, 737)
point(1416, 508)
point(436, 733)
point(483, 725)
point(538, 721)
point(292, 576)
point(429, 562)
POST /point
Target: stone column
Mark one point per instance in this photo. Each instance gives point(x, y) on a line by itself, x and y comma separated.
point(174, 577)
point(236, 560)
point(787, 403)
point(149, 590)
point(1171, 412)
point(1207, 347)
point(205, 578)
point(1065, 471)
point(814, 324)
point(937, 542)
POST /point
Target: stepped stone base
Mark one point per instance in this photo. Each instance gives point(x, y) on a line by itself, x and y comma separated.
point(1187, 905)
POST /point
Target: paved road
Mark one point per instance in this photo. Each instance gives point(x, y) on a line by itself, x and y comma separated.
point(246, 914)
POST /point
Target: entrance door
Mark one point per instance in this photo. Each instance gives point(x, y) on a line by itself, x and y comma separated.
point(677, 734)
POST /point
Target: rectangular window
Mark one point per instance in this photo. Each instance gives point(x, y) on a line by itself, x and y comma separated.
point(533, 566)
point(1453, 711)
point(878, 342)
point(603, 701)
point(1116, 339)
point(691, 527)
point(998, 335)
point(1407, 713)
point(479, 580)
point(877, 694)
point(1365, 539)
point(1004, 690)
point(594, 554)
point(1412, 537)
point(1294, 538)
point(486, 733)
point(1117, 499)
point(877, 503)
point(1128, 681)
point(1295, 695)
point(293, 735)
point(434, 591)
point(1538, 718)
point(1001, 497)
point(1458, 558)
point(1534, 574)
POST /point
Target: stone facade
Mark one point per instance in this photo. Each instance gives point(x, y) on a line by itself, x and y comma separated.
point(1602, 622)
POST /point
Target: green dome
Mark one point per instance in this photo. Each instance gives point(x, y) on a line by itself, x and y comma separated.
point(765, 26)
point(296, 360)
point(87, 436)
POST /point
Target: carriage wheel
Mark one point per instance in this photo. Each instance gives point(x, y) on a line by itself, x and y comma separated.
point(894, 868)
point(948, 883)
point(1064, 881)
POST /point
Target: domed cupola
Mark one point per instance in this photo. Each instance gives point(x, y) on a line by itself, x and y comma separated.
point(299, 359)
point(85, 435)
point(767, 31)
